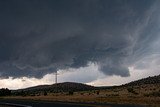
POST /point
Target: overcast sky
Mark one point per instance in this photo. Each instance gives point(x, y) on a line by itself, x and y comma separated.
point(98, 42)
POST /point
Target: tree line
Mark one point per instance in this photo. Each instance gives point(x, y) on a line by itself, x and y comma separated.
point(5, 92)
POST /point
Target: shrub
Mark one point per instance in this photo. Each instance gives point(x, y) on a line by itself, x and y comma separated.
point(70, 92)
point(131, 91)
point(82, 93)
point(152, 94)
point(146, 95)
point(5, 92)
point(98, 92)
point(45, 93)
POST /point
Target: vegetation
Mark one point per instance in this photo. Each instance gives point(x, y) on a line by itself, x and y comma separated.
point(149, 80)
point(5, 92)
point(98, 92)
point(153, 94)
point(45, 93)
point(131, 90)
point(57, 88)
point(137, 92)
point(70, 92)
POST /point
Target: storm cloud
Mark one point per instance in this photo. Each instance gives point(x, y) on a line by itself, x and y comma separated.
point(38, 37)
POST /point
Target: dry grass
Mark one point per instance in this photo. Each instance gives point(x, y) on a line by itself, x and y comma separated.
point(116, 95)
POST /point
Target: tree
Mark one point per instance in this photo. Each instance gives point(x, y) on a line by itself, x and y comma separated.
point(70, 92)
point(45, 93)
point(5, 92)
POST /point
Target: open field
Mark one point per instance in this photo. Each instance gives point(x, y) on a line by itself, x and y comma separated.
point(141, 92)
point(143, 95)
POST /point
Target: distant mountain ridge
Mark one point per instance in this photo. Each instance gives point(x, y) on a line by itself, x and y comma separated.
point(60, 87)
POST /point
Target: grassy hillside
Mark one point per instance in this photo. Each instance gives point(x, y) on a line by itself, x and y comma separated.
point(145, 81)
point(66, 86)
point(144, 91)
point(55, 88)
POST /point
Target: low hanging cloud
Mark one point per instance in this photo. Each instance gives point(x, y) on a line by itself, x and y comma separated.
point(41, 37)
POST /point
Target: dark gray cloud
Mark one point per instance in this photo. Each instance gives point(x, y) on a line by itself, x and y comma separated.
point(41, 36)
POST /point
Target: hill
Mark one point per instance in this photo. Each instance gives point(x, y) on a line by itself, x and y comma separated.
point(59, 87)
point(72, 86)
point(145, 81)
point(144, 91)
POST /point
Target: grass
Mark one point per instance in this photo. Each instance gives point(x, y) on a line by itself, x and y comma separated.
point(118, 95)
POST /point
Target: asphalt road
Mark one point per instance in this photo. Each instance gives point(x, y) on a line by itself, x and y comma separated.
point(30, 103)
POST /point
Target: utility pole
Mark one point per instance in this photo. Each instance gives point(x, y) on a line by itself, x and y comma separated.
point(56, 77)
point(56, 88)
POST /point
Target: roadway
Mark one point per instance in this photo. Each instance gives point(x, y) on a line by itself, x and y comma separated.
point(32, 103)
